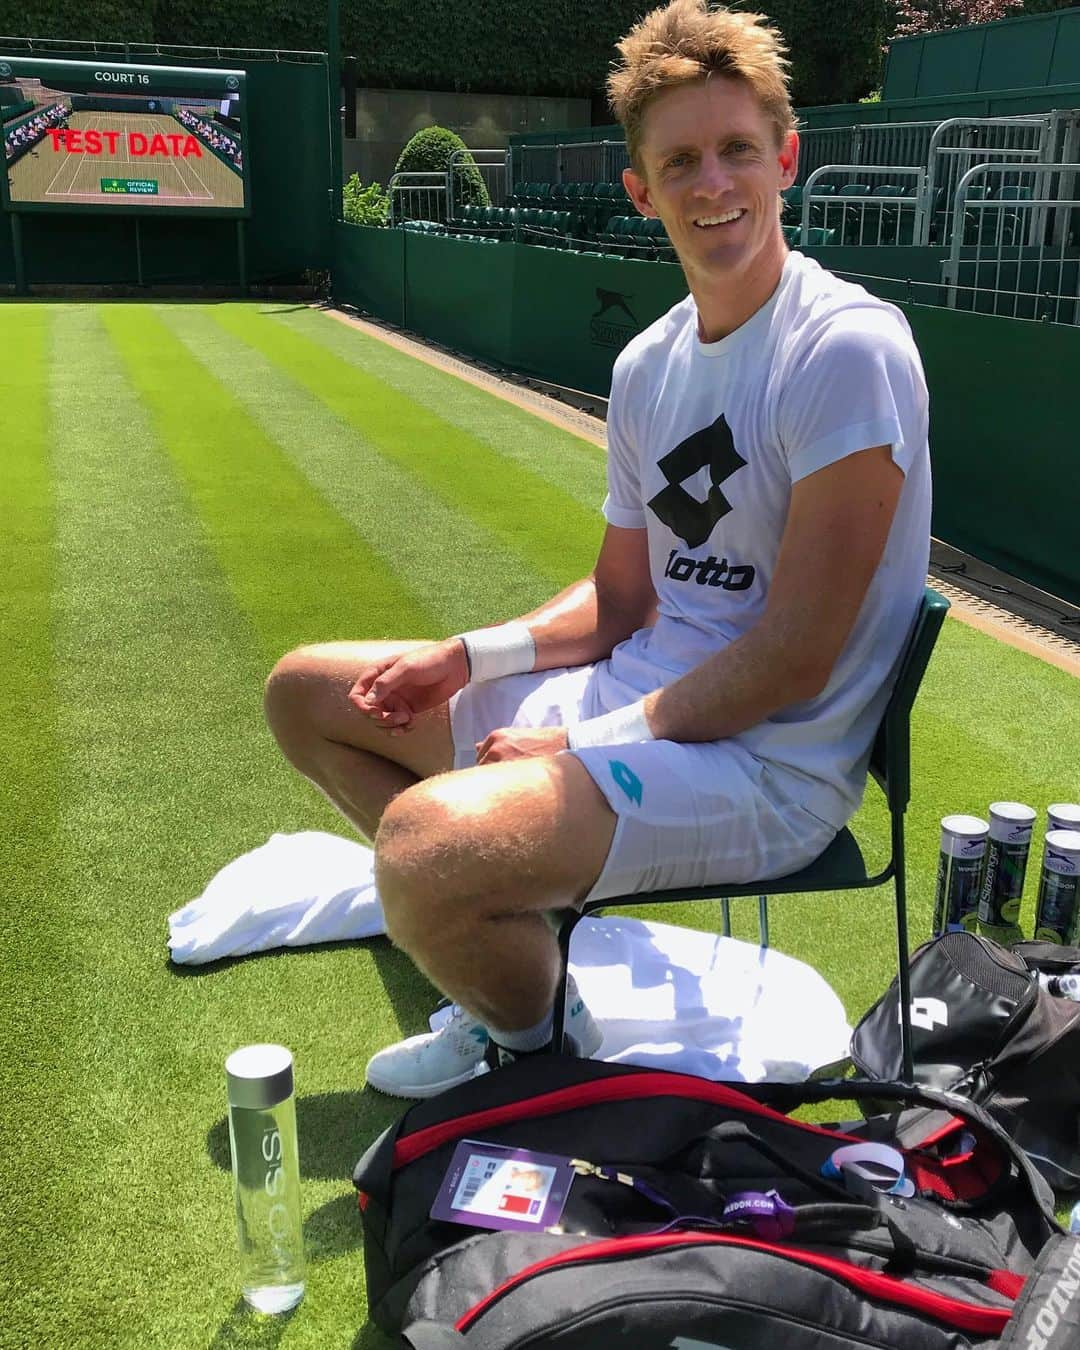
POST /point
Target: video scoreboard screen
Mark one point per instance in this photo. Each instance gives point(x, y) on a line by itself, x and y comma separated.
point(91, 135)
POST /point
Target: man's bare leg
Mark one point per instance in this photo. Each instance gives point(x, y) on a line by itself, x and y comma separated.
point(468, 863)
point(357, 764)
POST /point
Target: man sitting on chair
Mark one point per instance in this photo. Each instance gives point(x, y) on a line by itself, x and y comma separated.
point(701, 708)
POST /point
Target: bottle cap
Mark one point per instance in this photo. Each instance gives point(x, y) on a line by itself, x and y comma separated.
point(259, 1076)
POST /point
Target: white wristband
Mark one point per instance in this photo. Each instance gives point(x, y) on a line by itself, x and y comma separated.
point(621, 727)
point(494, 652)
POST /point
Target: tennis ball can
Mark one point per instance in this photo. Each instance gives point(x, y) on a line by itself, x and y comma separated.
point(961, 863)
point(266, 1176)
point(1063, 816)
point(1007, 851)
point(1057, 912)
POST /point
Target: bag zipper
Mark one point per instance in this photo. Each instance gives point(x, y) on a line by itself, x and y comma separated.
point(943, 1308)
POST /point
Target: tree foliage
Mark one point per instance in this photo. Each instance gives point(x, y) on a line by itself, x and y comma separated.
point(364, 205)
point(934, 16)
point(73, 20)
point(835, 46)
point(562, 48)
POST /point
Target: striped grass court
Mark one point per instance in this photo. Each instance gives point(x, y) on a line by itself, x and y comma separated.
point(187, 492)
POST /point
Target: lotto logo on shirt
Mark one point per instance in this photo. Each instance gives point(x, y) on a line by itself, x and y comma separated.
point(710, 571)
point(712, 448)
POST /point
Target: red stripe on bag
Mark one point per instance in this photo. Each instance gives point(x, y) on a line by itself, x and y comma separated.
point(628, 1088)
point(888, 1288)
point(1005, 1282)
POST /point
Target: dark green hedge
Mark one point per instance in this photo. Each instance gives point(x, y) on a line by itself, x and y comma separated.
point(79, 20)
point(560, 47)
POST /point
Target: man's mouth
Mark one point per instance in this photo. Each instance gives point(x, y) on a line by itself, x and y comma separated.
point(717, 222)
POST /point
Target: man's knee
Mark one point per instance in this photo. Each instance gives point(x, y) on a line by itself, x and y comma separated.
point(287, 696)
point(422, 842)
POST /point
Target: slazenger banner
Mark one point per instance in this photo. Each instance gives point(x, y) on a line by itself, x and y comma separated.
point(78, 135)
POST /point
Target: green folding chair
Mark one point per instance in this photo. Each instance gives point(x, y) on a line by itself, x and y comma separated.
point(841, 866)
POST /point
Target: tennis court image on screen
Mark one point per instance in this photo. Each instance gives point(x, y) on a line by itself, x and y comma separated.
point(91, 136)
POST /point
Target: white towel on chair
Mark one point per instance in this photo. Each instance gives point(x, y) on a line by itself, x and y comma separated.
point(674, 998)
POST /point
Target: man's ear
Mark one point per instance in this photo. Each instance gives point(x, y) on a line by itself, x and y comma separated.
point(638, 191)
point(789, 159)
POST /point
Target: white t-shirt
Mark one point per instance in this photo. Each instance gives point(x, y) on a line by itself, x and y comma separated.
point(706, 439)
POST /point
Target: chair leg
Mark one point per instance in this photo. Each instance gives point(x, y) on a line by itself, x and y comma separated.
point(725, 917)
point(907, 1062)
point(763, 919)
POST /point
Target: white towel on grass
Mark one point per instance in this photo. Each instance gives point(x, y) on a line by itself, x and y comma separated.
point(295, 890)
point(665, 997)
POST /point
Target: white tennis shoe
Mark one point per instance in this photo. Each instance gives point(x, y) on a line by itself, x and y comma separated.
point(425, 1065)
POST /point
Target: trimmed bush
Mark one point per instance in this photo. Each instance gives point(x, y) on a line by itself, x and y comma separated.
point(79, 20)
point(429, 151)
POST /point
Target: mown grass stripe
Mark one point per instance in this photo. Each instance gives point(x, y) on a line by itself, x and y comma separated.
point(556, 535)
point(455, 569)
point(35, 1042)
point(163, 739)
point(566, 461)
point(279, 542)
point(168, 773)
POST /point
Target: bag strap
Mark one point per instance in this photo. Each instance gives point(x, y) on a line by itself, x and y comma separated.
point(432, 1336)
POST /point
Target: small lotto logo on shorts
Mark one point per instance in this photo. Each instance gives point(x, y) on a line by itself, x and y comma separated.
point(628, 780)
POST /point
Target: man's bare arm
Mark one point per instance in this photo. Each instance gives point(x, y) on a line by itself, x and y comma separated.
point(578, 626)
point(837, 527)
point(586, 621)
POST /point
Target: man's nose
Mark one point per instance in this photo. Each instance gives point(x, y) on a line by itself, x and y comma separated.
point(714, 176)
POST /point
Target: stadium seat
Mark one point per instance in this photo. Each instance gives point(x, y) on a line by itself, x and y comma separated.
point(818, 209)
point(637, 238)
point(841, 867)
point(894, 224)
point(855, 226)
point(817, 236)
point(657, 235)
point(617, 233)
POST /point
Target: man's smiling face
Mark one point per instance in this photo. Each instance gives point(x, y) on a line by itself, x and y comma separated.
point(714, 164)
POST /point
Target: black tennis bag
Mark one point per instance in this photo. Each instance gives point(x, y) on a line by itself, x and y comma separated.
point(669, 1239)
point(983, 1027)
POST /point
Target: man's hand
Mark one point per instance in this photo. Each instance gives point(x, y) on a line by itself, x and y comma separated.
point(520, 743)
point(394, 690)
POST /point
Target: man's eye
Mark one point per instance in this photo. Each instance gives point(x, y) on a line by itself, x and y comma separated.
point(676, 160)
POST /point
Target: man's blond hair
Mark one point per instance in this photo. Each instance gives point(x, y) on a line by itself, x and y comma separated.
point(687, 41)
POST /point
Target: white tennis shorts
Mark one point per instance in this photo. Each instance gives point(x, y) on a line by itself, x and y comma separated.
point(688, 814)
